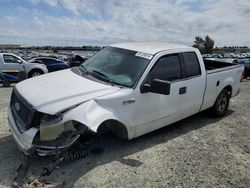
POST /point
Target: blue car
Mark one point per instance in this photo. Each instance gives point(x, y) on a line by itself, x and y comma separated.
point(52, 64)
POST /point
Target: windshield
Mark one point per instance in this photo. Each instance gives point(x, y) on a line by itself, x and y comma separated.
point(116, 66)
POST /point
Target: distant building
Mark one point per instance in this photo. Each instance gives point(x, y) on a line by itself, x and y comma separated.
point(10, 46)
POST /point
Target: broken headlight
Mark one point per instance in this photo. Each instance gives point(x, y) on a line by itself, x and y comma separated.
point(52, 127)
point(51, 119)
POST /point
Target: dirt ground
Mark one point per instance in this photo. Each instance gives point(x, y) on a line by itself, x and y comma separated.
point(200, 151)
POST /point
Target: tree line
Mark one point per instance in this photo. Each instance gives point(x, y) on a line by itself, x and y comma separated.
point(205, 45)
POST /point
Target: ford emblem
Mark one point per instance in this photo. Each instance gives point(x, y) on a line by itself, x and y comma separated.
point(17, 106)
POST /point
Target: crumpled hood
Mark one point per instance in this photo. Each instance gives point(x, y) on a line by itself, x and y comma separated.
point(54, 92)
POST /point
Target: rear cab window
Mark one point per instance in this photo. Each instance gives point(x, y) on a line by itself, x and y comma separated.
point(191, 64)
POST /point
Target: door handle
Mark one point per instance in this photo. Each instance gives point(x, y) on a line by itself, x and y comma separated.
point(182, 90)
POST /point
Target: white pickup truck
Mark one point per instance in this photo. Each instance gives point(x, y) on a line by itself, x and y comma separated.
point(130, 89)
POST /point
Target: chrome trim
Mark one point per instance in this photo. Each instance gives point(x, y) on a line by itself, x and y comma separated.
point(53, 150)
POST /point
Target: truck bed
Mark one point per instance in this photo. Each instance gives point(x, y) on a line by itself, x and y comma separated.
point(220, 75)
point(212, 66)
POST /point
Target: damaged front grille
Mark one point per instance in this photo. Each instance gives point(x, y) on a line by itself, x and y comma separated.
point(24, 115)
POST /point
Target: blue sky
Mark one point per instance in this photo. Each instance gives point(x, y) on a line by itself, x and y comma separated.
point(102, 22)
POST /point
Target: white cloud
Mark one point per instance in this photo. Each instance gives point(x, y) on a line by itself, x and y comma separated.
point(49, 2)
point(227, 21)
point(11, 19)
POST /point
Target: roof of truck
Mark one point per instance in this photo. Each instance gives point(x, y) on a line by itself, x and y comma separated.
point(149, 47)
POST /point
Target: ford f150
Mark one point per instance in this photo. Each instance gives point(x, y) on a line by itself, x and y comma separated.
point(130, 89)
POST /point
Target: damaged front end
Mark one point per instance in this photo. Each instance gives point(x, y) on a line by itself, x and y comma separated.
point(42, 133)
point(55, 136)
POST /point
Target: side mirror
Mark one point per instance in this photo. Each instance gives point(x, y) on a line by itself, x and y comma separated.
point(19, 61)
point(157, 86)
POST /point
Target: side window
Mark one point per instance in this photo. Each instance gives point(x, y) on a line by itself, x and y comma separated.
point(43, 60)
point(167, 68)
point(51, 61)
point(192, 64)
point(39, 60)
point(48, 61)
point(10, 59)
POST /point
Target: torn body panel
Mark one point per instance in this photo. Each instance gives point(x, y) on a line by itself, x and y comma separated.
point(93, 114)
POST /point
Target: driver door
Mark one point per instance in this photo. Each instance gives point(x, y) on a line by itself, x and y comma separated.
point(11, 66)
point(154, 110)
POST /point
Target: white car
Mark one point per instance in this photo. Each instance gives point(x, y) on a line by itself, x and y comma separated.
point(206, 56)
point(130, 89)
point(11, 65)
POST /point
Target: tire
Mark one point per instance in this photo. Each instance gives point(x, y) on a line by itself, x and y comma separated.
point(35, 73)
point(6, 83)
point(221, 104)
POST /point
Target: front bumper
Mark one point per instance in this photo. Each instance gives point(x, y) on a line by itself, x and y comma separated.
point(25, 140)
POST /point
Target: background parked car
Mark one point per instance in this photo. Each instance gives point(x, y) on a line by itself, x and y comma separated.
point(15, 69)
point(76, 60)
point(51, 63)
point(246, 64)
point(226, 58)
point(219, 56)
point(206, 56)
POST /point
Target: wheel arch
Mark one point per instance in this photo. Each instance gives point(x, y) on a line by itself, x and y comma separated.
point(229, 88)
point(115, 126)
point(228, 84)
point(35, 69)
point(216, 109)
point(98, 118)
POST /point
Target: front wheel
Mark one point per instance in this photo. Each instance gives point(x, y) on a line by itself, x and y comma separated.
point(35, 73)
point(221, 104)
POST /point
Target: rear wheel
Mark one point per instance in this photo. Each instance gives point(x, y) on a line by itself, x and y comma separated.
point(221, 104)
point(6, 83)
point(35, 73)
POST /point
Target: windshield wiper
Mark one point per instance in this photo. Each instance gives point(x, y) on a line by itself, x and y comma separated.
point(103, 75)
point(86, 71)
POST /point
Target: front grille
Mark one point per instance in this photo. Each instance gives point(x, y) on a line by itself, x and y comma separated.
point(23, 113)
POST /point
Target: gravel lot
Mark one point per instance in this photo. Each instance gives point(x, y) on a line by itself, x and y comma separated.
point(200, 151)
